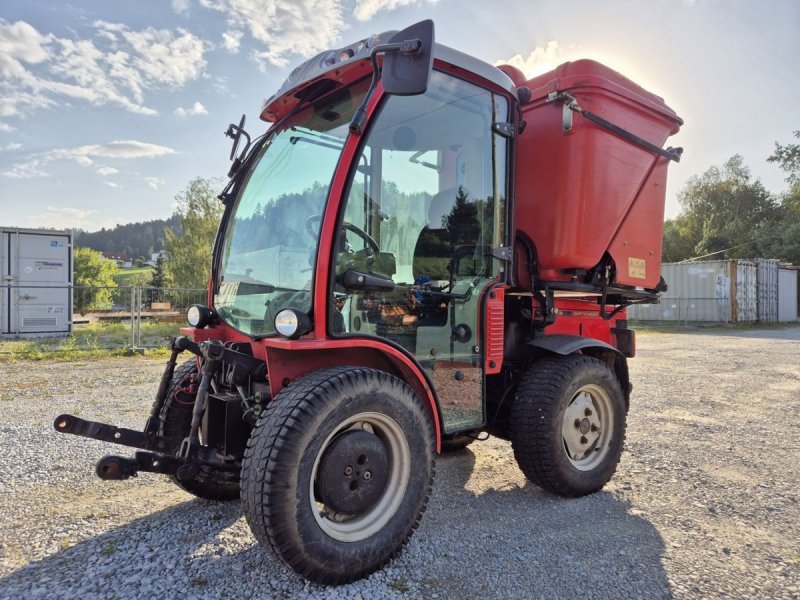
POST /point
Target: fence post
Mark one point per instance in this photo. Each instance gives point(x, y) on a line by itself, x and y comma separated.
point(133, 303)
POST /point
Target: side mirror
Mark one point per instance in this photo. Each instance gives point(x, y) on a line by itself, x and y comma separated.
point(407, 72)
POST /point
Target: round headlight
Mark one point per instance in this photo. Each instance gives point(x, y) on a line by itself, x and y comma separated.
point(193, 316)
point(292, 323)
point(198, 316)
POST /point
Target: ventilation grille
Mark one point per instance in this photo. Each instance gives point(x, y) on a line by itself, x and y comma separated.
point(39, 322)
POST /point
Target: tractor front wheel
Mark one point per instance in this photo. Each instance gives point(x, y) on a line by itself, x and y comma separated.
point(568, 424)
point(338, 471)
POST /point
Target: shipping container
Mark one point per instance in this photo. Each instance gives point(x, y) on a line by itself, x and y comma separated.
point(767, 290)
point(719, 291)
point(787, 295)
point(36, 270)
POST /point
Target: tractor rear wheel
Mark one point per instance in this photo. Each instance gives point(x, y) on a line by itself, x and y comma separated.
point(568, 424)
point(338, 471)
point(175, 421)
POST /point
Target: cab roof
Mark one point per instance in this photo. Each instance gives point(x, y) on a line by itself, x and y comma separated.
point(332, 68)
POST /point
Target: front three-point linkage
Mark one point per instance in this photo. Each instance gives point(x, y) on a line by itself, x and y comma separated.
point(161, 454)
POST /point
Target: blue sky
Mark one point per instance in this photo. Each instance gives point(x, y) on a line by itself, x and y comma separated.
point(109, 109)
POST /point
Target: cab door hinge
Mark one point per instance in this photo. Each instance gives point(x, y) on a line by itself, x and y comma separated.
point(504, 129)
point(502, 253)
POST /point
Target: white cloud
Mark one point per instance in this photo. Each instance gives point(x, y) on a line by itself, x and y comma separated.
point(85, 156)
point(366, 9)
point(180, 6)
point(112, 184)
point(166, 57)
point(117, 66)
point(154, 182)
point(196, 109)
point(231, 40)
point(302, 27)
point(13, 146)
point(541, 60)
point(105, 171)
point(6, 128)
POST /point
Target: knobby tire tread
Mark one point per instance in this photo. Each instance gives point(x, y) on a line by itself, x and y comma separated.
point(533, 420)
point(278, 431)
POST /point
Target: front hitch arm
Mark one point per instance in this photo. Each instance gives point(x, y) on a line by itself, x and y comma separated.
point(111, 433)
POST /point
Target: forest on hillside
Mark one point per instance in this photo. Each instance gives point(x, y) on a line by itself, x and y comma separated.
point(132, 240)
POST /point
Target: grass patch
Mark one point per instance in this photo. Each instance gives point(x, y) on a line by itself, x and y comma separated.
point(136, 276)
point(89, 341)
point(400, 585)
point(109, 549)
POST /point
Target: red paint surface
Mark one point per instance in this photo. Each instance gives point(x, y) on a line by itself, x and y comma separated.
point(582, 317)
point(589, 191)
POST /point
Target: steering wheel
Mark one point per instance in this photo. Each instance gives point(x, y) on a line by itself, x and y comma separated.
point(368, 239)
point(313, 233)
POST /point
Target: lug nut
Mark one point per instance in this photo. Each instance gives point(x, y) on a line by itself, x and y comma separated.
point(595, 428)
point(583, 439)
point(588, 412)
point(367, 475)
point(348, 470)
point(577, 423)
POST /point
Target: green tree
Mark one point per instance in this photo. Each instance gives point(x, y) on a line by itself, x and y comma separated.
point(788, 157)
point(159, 278)
point(189, 253)
point(788, 232)
point(93, 277)
point(724, 213)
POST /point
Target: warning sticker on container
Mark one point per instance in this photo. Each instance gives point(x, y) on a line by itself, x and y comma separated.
point(637, 268)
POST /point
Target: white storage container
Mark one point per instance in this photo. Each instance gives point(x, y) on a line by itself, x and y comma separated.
point(787, 295)
point(36, 271)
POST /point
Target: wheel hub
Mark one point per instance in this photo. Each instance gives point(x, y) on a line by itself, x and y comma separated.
point(582, 427)
point(352, 472)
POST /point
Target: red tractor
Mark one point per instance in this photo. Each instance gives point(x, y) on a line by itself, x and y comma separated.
point(421, 248)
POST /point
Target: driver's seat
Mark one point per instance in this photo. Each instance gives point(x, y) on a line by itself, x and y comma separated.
point(433, 250)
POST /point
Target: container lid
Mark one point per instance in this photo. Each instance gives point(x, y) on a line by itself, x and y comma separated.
point(586, 73)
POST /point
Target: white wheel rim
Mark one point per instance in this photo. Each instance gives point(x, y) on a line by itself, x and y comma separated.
point(588, 427)
point(347, 528)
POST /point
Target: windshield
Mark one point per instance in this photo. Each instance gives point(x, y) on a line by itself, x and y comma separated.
point(271, 239)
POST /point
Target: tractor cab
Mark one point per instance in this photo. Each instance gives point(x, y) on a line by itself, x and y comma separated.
point(417, 208)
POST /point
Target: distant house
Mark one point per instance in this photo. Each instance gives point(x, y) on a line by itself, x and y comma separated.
point(122, 262)
point(154, 257)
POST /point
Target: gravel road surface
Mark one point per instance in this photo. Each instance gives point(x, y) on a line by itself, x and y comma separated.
point(704, 503)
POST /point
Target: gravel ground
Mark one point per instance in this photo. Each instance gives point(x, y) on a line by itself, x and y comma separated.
point(704, 503)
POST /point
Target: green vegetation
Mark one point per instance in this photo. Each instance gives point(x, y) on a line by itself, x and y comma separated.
point(96, 275)
point(725, 214)
point(89, 341)
point(133, 240)
point(137, 276)
point(189, 255)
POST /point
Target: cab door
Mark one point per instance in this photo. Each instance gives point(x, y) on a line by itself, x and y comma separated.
point(425, 208)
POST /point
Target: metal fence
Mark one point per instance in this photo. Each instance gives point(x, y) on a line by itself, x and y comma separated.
point(95, 315)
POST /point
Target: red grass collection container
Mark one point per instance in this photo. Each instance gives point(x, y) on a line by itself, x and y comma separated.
point(586, 192)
